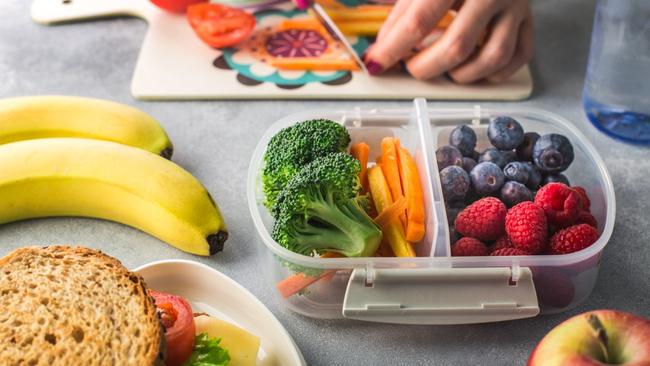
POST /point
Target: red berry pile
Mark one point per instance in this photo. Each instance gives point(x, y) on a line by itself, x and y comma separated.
point(558, 221)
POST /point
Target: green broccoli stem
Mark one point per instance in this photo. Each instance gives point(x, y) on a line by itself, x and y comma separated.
point(350, 231)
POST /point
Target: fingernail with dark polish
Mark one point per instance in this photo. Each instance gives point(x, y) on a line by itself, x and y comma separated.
point(374, 68)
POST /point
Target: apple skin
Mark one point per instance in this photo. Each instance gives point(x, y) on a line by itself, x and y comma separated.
point(575, 342)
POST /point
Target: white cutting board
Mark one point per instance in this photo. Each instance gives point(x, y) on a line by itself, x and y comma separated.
point(175, 64)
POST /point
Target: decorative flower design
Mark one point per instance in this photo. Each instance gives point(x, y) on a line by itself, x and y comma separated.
point(251, 59)
point(296, 43)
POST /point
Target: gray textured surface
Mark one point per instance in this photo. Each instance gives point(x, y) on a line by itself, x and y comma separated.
point(214, 141)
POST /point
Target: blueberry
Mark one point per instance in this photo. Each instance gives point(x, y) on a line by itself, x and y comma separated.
point(464, 139)
point(535, 177)
point(452, 211)
point(487, 178)
point(517, 171)
point(505, 133)
point(525, 149)
point(447, 156)
point(498, 157)
point(560, 178)
point(455, 183)
point(513, 193)
point(474, 155)
point(468, 164)
point(509, 156)
point(553, 153)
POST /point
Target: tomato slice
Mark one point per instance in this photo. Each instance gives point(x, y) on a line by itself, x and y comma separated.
point(177, 318)
point(176, 6)
point(219, 25)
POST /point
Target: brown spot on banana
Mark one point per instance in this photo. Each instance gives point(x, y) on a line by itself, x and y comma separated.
point(167, 152)
point(216, 241)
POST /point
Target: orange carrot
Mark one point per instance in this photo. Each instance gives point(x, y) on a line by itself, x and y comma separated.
point(447, 19)
point(415, 198)
point(390, 168)
point(313, 64)
point(302, 23)
point(298, 281)
point(359, 13)
point(360, 28)
point(394, 231)
point(391, 212)
point(361, 151)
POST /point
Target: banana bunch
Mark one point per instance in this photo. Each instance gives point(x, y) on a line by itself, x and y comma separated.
point(70, 156)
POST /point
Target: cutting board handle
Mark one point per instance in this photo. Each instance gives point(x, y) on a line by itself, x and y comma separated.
point(58, 11)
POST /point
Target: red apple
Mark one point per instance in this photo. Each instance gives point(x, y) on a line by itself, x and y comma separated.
point(601, 337)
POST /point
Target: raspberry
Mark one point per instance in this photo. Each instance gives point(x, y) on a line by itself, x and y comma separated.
point(561, 203)
point(573, 239)
point(483, 219)
point(467, 247)
point(586, 218)
point(507, 252)
point(501, 243)
point(526, 227)
point(584, 198)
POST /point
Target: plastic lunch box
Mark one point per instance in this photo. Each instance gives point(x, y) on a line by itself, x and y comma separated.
point(435, 288)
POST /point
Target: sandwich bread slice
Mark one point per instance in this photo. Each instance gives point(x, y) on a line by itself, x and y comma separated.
point(63, 305)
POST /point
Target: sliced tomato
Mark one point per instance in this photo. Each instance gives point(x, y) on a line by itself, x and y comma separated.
point(176, 6)
point(176, 316)
point(219, 25)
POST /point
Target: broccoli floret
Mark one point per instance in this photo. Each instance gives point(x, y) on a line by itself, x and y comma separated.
point(319, 210)
point(294, 147)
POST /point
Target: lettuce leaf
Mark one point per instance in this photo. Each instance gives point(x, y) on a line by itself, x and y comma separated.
point(207, 352)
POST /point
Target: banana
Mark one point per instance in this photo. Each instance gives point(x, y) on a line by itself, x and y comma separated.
point(27, 118)
point(107, 180)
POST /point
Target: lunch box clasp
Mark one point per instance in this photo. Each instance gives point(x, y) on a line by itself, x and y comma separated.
point(440, 295)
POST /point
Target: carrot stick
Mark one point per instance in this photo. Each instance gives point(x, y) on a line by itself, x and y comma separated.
point(354, 22)
point(361, 151)
point(391, 212)
point(394, 231)
point(298, 281)
point(447, 19)
point(372, 8)
point(415, 198)
point(358, 13)
point(360, 28)
point(313, 64)
point(390, 168)
point(302, 23)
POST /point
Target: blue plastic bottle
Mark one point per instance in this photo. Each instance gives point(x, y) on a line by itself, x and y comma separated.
point(616, 94)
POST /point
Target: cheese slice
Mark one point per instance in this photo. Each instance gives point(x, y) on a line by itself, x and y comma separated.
point(241, 345)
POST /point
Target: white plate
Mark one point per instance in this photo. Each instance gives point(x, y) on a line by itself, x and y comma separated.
point(212, 292)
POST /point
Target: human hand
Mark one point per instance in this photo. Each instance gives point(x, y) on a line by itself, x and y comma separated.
point(505, 24)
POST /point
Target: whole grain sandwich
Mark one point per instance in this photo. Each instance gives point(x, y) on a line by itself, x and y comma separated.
point(64, 305)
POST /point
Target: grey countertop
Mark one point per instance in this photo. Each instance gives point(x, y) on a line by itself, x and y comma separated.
point(215, 139)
